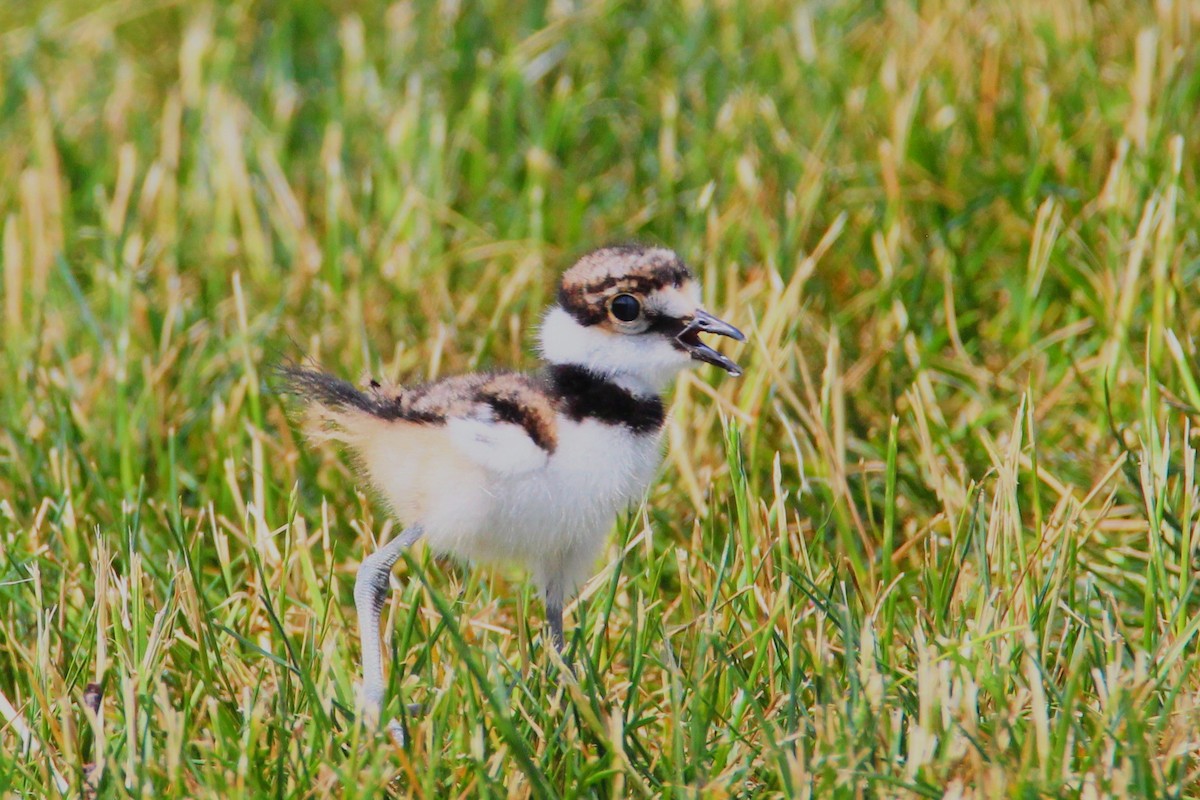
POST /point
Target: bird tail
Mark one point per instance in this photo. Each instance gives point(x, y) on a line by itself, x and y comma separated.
point(334, 408)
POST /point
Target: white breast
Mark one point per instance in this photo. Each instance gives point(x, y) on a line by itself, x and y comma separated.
point(553, 520)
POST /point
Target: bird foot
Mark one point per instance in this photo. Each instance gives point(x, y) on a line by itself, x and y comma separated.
point(396, 731)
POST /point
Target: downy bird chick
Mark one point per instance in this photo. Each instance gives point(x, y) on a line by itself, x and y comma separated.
point(526, 468)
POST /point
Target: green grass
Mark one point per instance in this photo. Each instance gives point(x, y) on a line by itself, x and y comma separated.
point(940, 540)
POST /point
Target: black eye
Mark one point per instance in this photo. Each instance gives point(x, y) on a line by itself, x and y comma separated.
point(625, 307)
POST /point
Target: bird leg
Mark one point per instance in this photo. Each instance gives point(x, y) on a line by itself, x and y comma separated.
point(371, 587)
point(554, 614)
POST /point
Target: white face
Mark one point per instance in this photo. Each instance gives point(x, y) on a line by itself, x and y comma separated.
point(643, 363)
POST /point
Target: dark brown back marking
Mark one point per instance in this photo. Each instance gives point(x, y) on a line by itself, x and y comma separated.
point(508, 397)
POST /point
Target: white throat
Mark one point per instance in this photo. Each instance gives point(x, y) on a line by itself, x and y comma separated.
point(644, 364)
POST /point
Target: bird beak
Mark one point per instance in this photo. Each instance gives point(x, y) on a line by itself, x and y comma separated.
point(704, 322)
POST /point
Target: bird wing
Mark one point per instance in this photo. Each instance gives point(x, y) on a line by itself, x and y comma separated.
point(505, 423)
point(500, 447)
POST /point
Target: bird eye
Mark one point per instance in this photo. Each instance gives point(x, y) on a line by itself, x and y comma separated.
point(625, 307)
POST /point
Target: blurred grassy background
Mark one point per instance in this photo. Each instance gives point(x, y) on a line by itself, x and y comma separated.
point(939, 541)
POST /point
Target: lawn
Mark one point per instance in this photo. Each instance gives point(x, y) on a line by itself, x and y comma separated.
point(940, 540)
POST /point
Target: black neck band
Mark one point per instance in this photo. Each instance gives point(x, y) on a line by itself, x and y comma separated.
point(586, 395)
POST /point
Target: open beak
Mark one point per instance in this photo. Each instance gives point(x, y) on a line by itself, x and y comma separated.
point(704, 322)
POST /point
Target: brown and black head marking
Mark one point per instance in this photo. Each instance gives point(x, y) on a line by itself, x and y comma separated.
point(604, 273)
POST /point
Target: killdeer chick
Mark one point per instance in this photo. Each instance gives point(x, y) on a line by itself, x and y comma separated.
point(525, 468)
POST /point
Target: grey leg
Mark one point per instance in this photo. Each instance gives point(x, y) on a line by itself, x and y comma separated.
point(370, 591)
point(554, 612)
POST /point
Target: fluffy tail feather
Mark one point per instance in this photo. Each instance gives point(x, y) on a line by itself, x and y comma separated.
point(335, 394)
point(335, 408)
point(400, 458)
point(312, 386)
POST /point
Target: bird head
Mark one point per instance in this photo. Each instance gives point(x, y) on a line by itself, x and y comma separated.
point(633, 314)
